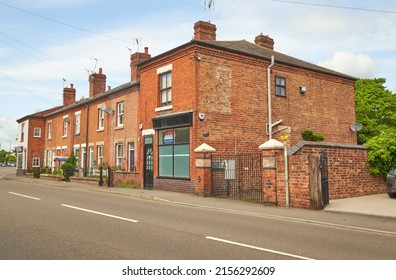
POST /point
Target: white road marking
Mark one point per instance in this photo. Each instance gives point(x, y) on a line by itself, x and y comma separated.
point(257, 248)
point(99, 213)
point(27, 196)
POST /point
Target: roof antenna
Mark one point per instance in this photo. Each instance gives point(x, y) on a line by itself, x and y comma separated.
point(210, 5)
point(137, 42)
point(96, 63)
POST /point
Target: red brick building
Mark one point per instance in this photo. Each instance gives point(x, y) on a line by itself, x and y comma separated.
point(216, 92)
point(231, 95)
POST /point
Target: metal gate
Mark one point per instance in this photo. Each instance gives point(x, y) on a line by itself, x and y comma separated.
point(324, 170)
point(237, 176)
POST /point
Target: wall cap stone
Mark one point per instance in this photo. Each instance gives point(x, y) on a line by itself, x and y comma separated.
point(302, 144)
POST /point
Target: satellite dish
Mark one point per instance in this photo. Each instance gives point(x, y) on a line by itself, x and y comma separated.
point(356, 127)
point(102, 106)
point(109, 110)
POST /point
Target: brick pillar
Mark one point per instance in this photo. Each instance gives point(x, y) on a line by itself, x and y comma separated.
point(269, 176)
point(203, 173)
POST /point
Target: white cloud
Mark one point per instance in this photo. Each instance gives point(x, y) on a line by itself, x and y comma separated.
point(8, 132)
point(358, 65)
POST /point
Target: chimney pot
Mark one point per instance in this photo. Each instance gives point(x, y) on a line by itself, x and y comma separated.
point(264, 41)
point(205, 31)
point(146, 50)
point(97, 83)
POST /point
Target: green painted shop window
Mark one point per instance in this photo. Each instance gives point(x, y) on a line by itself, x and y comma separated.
point(174, 152)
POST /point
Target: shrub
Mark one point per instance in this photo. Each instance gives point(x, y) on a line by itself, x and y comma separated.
point(309, 135)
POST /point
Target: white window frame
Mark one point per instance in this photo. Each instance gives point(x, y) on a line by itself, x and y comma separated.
point(100, 149)
point(65, 126)
point(49, 130)
point(23, 132)
point(37, 132)
point(101, 114)
point(77, 123)
point(120, 114)
point(119, 154)
point(36, 162)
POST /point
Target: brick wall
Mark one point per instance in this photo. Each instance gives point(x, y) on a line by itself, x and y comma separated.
point(126, 177)
point(175, 185)
point(36, 144)
point(347, 169)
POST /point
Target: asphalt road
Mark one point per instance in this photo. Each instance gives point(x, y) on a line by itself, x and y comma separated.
point(47, 222)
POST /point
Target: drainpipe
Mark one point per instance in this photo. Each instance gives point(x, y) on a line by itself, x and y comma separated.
point(269, 97)
point(86, 143)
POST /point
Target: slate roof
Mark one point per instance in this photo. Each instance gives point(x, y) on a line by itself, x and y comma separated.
point(92, 99)
point(247, 48)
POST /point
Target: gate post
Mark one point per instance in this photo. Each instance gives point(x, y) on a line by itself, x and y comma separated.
point(315, 191)
point(203, 167)
point(269, 176)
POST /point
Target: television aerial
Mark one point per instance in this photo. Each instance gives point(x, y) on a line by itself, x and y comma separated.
point(210, 6)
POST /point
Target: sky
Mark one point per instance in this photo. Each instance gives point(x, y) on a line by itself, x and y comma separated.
point(48, 44)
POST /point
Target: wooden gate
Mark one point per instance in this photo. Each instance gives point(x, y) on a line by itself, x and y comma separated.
point(324, 171)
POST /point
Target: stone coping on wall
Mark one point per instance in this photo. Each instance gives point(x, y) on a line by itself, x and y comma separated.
point(301, 144)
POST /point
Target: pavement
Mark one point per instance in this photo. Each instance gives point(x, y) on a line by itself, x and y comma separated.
point(371, 205)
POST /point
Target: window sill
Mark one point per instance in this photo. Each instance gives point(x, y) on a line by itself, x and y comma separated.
point(76, 134)
point(119, 127)
point(164, 108)
point(100, 130)
point(64, 136)
point(174, 178)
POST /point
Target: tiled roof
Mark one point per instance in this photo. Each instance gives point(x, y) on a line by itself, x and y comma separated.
point(94, 98)
point(250, 49)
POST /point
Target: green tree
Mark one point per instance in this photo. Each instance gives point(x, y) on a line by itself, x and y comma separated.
point(382, 152)
point(3, 155)
point(376, 110)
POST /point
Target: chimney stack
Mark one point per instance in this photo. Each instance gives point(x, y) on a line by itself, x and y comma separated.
point(204, 31)
point(97, 83)
point(137, 58)
point(264, 41)
point(69, 95)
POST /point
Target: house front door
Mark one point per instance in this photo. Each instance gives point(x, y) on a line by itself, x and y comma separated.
point(148, 162)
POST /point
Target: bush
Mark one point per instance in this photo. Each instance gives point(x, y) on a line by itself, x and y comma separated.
point(36, 172)
point(69, 167)
point(309, 135)
point(68, 170)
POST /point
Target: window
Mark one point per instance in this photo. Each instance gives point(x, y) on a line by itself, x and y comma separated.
point(280, 86)
point(36, 162)
point(77, 124)
point(119, 154)
point(65, 126)
point(83, 157)
point(100, 154)
point(76, 154)
point(131, 156)
point(22, 132)
point(49, 130)
point(166, 88)
point(37, 132)
point(120, 114)
point(174, 152)
point(101, 119)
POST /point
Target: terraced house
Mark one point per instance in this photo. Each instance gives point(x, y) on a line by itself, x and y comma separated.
point(223, 97)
